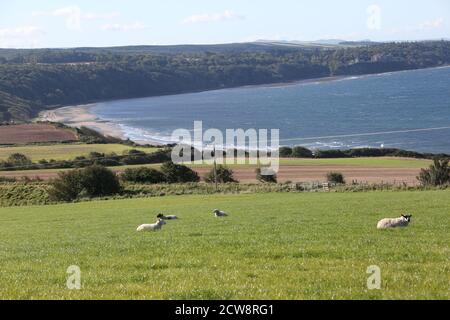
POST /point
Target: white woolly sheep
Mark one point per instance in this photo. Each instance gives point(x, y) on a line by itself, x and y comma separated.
point(151, 227)
point(219, 213)
point(403, 221)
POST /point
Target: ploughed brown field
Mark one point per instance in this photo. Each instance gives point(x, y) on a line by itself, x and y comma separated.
point(308, 173)
point(29, 133)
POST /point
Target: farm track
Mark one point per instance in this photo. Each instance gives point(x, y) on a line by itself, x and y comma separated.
point(295, 173)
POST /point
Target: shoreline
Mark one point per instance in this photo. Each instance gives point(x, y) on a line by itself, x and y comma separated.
point(82, 116)
point(78, 116)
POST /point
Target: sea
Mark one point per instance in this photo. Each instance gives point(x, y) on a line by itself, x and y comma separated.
point(406, 110)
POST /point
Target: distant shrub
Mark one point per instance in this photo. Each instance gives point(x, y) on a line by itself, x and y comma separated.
point(99, 181)
point(269, 178)
point(437, 174)
point(67, 187)
point(18, 159)
point(96, 155)
point(143, 175)
point(93, 181)
point(331, 154)
point(335, 177)
point(107, 162)
point(301, 152)
point(134, 152)
point(178, 173)
point(159, 156)
point(224, 175)
point(133, 160)
point(134, 157)
point(285, 152)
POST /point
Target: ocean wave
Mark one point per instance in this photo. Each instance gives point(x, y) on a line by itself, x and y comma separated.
point(138, 134)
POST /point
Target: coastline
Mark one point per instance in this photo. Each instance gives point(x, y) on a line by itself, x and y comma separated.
point(80, 116)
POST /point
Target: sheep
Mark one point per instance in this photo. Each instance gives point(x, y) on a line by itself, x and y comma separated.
point(151, 227)
point(403, 221)
point(162, 216)
point(220, 214)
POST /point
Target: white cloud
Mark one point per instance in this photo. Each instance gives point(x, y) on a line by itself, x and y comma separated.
point(421, 28)
point(432, 24)
point(227, 15)
point(123, 27)
point(73, 16)
point(23, 36)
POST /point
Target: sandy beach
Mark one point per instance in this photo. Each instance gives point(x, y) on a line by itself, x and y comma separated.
point(80, 116)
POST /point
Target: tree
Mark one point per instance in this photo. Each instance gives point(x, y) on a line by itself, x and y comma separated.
point(18, 159)
point(143, 175)
point(67, 187)
point(285, 152)
point(99, 181)
point(93, 181)
point(224, 175)
point(178, 173)
point(437, 174)
point(269, 178)
point(301, 152)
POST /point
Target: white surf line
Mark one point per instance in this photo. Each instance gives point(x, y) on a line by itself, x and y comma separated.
point(367, 134)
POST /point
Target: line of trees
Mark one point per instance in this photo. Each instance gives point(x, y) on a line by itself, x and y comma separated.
point(19, 161)
point(99, 181)
point(53, 78)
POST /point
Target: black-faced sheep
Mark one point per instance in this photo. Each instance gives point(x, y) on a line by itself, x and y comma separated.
point(403, 221)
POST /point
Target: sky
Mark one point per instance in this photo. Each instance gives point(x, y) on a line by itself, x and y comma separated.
point(51, 23)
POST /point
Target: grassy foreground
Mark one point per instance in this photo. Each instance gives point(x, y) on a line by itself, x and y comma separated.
point(65, 151)
point(273, 246)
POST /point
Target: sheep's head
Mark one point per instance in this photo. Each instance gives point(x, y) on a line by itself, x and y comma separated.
point(216, 211)
point(407, 217)
point(160, 216)
point(161, 221)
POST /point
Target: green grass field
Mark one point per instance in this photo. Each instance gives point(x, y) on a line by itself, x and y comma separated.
point(65, 151)
point(359, 162)
point(363, 162)
point(386, 162)
point(273, 246)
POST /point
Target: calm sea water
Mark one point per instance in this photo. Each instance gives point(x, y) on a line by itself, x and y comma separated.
point(405, 110)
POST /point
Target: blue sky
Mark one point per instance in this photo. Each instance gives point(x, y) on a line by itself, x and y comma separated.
point(50, 23)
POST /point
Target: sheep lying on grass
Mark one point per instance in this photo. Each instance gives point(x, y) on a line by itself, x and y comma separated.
point(161, 216)
point(403, 221)
point(151, 227)
point(219, 213)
